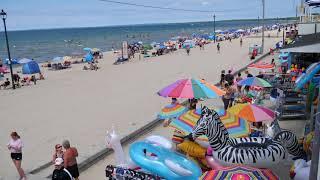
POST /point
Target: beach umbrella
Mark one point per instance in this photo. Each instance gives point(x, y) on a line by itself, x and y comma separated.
point(236, 126)
point(94, 50)
point(57, 59)
point(191, 88)
point(87, 49)
point(24, 61)
point(88, 57)
point(31, 67)
point(254, 81)
point(239, 173)
point(172, 111)
point(219, 31)
point(252, 112)
point(13, 61)
point(240, 31)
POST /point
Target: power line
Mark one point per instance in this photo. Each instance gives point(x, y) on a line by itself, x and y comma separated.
point(167, 8)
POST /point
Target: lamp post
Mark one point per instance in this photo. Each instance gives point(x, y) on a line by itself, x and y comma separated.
point(263, 10)
point(214, 28)
point(4, 16)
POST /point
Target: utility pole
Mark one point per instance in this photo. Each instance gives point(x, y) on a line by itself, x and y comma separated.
point(214, 28)
point(263, 13)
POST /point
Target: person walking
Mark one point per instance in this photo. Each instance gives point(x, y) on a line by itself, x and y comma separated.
point(15, 147)
point(58, 152)
point(70, 161)
point(241, 42)
point(188, 49)
point(227, 98)
point(229, 77)
point(218, 48)
point(59, 172)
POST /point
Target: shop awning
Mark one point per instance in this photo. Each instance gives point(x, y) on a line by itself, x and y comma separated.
point(313, 48)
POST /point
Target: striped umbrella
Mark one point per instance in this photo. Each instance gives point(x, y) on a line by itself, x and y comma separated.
point(172, 111)
point(191, 88)
point(252, 112)
point(236, 126)
point(239, 173)
point(254, 81)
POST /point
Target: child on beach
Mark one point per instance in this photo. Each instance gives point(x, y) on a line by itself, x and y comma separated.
point(15, 147)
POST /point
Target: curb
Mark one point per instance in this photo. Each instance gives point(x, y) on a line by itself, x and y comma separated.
point(129, 138)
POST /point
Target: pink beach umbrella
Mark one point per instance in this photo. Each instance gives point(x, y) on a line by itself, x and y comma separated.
point(191, 88)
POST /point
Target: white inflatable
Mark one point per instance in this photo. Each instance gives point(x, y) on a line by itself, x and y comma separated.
point(159, 140)
point(177, 168)
point(113, 142)
point(300, 169)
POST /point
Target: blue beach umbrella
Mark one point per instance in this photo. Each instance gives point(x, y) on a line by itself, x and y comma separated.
point(88, 57)
point(13, 61)
point(254, 81)
point(57, 59)
point(31, 67)
point(87, 49)
point(24, 61)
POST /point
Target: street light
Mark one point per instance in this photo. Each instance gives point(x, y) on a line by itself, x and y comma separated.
point(4, 16)
point(214, 28)
point(263, 13)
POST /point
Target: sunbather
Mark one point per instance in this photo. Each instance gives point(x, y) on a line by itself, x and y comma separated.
point(5, 84)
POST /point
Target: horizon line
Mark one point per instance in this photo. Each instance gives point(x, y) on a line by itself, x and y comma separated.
point(144, 24)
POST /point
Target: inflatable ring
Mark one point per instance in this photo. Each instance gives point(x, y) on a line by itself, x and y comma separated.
point(166, 163)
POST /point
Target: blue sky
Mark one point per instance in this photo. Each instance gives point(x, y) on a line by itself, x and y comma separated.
point(43, 14)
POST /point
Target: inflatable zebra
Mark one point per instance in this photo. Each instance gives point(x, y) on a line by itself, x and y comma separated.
point(257, 152)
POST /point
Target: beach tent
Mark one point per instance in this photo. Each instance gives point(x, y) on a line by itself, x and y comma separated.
point(88, 57)
point(24, 61)
point(31, 67)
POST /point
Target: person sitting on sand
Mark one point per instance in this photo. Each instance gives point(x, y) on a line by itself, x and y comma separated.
point(41, 77)
point(85, 67)
point(33, 79)
point(5, 84)
point(16, 79)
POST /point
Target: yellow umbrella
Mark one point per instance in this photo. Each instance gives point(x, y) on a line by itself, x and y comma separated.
point(236, 108)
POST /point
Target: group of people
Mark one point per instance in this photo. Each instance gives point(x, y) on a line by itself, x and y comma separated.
point(235, 93)
point(18, 82)
point(63, 159)
point(91, 66)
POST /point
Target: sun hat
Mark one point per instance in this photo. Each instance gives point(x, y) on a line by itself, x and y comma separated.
point(58, 161)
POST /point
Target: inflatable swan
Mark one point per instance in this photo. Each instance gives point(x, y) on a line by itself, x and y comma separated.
point(257, 152)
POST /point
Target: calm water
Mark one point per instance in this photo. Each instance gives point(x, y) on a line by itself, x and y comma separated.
point(46, 44)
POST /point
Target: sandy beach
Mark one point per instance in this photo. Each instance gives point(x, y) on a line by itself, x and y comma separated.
point(82, 105)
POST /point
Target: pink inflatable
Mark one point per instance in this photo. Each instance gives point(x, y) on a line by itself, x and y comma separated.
point(211, 161)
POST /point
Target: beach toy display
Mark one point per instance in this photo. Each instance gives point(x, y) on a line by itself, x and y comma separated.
point(256, 152)
point(166, 163)
point(113, 141)
point(311, 71)
point(300, 170)
point(120, 173)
